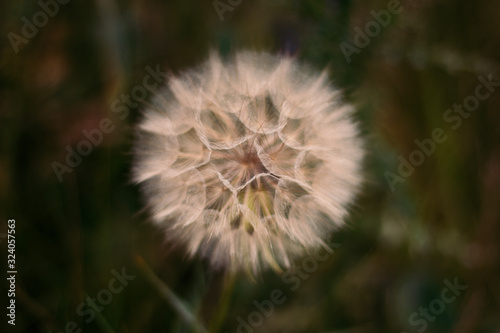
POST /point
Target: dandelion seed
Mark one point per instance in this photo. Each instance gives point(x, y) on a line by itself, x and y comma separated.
point(249, 163)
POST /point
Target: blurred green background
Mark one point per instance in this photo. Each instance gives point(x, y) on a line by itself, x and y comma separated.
point(441, 223)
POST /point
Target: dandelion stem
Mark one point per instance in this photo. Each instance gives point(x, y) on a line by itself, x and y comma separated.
point(168, 295)
point(224, 302)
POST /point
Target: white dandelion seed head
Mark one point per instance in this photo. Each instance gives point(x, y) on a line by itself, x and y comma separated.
point(249, 162)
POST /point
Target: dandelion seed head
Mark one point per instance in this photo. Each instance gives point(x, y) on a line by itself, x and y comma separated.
point(250, 162)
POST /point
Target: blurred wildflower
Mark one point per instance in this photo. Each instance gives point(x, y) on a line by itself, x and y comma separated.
point(249, 163)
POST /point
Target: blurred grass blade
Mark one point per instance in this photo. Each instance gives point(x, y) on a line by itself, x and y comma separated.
point(168, 295)
point(101, 321)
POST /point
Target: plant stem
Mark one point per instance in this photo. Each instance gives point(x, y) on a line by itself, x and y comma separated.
point(224, 302)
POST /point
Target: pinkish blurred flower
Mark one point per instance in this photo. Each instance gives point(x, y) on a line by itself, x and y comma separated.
point(250, 162)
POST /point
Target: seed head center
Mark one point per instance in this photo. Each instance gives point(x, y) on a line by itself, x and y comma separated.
point(250, 162)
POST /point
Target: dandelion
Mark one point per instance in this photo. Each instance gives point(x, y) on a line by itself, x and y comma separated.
point(250, 162)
